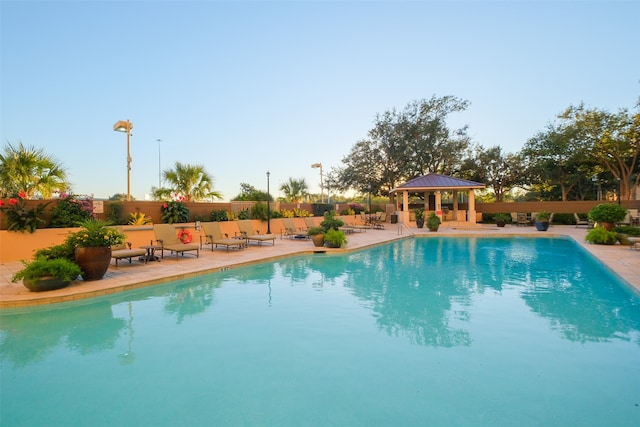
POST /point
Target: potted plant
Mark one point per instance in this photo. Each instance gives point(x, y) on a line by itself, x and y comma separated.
point(542, 221)
point(92, 247)
point(419, 213)
point(433, 222)
point(501, 219)
point(607, 214)
point(317, 235)
point(601, 236)
point(334, 238)
point(44, 274)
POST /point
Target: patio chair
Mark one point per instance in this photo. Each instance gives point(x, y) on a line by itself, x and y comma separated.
point(581, 222)
point(310, 222)
point(124, 251)
point(291, 231)
point(522, 219)
point(248, 233)
point(167, 240)
point(379, 220)
point(213, 236)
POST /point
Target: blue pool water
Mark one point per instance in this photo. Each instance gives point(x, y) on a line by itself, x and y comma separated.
point(426, 331)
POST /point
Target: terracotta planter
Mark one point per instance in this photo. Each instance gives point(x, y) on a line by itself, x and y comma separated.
point(93, 261)
point(607, 225)
point(46, 283)
point(318, 240)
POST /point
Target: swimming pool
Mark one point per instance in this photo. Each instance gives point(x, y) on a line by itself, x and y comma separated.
point(426, 331)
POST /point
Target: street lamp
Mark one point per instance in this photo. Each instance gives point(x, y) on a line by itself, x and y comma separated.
point(316, 166)
point(268, 208)
point(159, 166)
point(126, 126)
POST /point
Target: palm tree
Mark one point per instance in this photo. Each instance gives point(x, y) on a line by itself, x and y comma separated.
point(189, 181)
point(30, 170)
point(295, 190)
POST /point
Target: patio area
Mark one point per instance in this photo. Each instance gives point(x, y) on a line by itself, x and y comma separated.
point(620, 259)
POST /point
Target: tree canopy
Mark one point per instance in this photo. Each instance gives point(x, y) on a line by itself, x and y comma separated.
point(191, 182)
point(29, 170)
point(404, 145)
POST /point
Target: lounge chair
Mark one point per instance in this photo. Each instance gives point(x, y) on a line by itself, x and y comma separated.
point(379, 220)
point(581, 222)
point(213, 236)
point(124, 251)
point(246, 229)
point(291, 231)
point(167, 240)
point(310, 222)
point(522, 219)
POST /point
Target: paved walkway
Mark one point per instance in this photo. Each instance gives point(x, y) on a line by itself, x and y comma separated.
point(620, 259)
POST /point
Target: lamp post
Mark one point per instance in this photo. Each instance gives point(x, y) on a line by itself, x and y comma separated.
point(268, 207)
point(316, 166)
point(126, 126)
point(159, 166)
point(369, 188)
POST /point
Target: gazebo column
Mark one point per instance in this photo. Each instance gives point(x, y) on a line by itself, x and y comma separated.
point(405, 208)
point(455, 205)
point(472, 207)
point(439, 205)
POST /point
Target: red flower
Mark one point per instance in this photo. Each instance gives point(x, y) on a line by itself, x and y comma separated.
point(165, 205)
point(22, 194)
point(1, 202)
point(12, 201)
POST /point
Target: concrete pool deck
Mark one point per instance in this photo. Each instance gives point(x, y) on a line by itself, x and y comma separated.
point(623, 261)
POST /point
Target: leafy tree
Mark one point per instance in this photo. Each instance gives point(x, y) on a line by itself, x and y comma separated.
point(404, 145)
point(29, 170)
point(556, 157)
point(191, 182)
point(498, 171)
point(120, 197)
point(250, 193)
point(613, 140)
point(295, 190)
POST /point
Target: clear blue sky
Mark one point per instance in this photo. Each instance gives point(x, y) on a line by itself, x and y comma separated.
point(246, 87)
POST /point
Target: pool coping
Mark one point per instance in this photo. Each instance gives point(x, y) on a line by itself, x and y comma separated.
point(622, 261)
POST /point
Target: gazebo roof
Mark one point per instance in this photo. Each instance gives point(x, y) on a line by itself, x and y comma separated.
point(434, 181)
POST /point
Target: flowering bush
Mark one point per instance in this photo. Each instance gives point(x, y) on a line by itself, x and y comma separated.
point(175, 211)
point(20, 218)
point(71, 210)
point(95, 233)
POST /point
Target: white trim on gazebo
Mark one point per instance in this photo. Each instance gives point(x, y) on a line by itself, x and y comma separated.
point(436, 184)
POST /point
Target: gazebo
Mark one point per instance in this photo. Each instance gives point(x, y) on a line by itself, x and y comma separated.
point(434, 184)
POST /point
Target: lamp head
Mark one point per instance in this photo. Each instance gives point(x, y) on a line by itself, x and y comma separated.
point(123, 126)
point(316, 165)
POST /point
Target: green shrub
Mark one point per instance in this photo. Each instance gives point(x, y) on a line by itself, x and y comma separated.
point(601, 236)
point(607, 212)
point(335, 238)
point(59, 268)
point(69, 211)
point(629, 230)
point(175, 212)
point(64, 250)
point(114, 213)
point(331, 222)
point(219, 215)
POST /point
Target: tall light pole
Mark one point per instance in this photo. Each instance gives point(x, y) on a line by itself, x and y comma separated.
point(316, 166)
point(126, 126)
point(159, 166)
point(268, 207)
